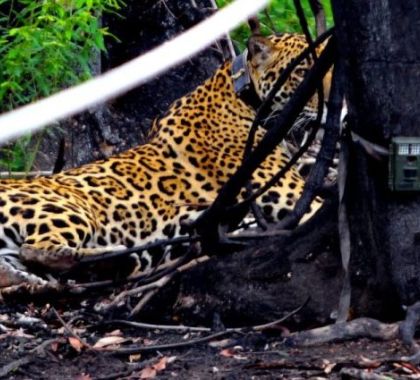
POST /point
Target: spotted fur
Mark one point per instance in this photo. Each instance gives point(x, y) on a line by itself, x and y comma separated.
point(146, 193)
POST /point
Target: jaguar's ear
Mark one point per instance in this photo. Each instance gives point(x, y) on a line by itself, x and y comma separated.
point(260, 50)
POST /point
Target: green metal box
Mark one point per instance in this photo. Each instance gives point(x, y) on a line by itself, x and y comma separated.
point(404, 164)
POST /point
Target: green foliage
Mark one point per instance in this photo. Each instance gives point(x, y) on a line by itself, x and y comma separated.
point(45, 46)
point(20, 155)
point(279, 17)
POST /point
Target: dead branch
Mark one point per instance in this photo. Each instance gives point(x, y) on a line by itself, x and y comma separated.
point(153, 326)
point(254, 25)
point(207, 223)
point(264, 110)
point(358, 328)
point(280, 174)
point(160, 347)
point(319, 14)
point(151, 284)
point(183, 328)
point(247, 284)
point(326, 154)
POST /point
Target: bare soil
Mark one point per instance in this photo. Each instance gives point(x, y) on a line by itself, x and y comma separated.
point(41, 342)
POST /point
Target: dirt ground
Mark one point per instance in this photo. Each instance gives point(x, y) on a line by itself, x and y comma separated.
point(43, 342)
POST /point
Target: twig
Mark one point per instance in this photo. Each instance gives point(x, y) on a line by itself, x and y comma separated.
point(153, 326)
point(355, 373)
point(265, 109)
point(6, 174)
point(281, 173)
point(206, 224)
point(325, 154)
point(226, 38)
point(144, 247)
point(144, 278)
point(287, 316)
point(319, 14)
point(138, 291)
point(257, 234)
point(183, 328)
point(135, 350)
point(154, 282)
point(146, 298)
point(160, 347)
point(70, 330)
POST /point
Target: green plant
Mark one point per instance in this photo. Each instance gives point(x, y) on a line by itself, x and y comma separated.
point(280, 16)
point(20, 155)
point(45, 46)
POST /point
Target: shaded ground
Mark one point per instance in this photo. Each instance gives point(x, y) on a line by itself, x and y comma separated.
point(45, 343)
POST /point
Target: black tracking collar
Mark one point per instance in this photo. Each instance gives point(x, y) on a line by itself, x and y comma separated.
point(242, 83)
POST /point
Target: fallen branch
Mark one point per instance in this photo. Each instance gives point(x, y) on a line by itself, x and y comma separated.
point(152, 283)
point(358, 328)
point(183, 328)
point(207, 223)
point(160, 347)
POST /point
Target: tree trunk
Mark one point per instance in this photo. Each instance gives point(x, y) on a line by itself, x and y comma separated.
point(378, 41)
point(123, 123)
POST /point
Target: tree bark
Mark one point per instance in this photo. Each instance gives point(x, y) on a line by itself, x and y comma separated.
point(378, 41)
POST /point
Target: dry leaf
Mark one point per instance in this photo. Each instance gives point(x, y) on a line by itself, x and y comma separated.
point(329, 367)
point(20, 334)
point(161, 364)
point(231, 353)
point(134, 358)
point(148, 373)
point(109, 341)
point(220, 343)
point(369, 363)
point(406, 367)
point(75, 343)
point(116, 332)
point(152, 371)
point(171, 359)
point(54, 346)
point(227, 353)
point(83, 376)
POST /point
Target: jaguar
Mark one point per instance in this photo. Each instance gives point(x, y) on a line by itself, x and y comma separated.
point(150, 191)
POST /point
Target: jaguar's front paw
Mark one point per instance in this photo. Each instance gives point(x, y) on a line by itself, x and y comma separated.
point(16, 279)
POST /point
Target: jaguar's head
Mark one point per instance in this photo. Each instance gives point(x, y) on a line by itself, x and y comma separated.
point(268, 57)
